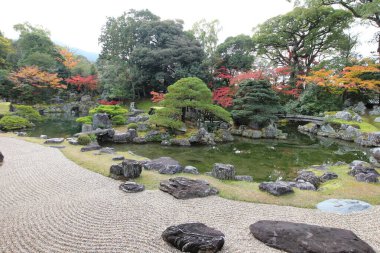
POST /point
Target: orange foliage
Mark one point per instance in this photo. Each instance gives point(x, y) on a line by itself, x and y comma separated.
point(35, 77)
point(349, 79)
point(69, 60)
point(88, 82)
point(157, 96)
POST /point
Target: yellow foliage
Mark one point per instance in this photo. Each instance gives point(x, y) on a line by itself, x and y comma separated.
point(33, 76)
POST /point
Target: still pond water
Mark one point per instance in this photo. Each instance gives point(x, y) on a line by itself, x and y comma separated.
point(262, 159)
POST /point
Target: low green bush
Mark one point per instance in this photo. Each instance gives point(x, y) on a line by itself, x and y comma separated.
point(84, 120)
point(13, 122)
point(118, 120)
point(28, 112)
point(84, 139)
point(132, 126)
point(111, 110)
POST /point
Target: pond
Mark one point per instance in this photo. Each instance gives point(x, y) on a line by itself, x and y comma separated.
point(261, 159)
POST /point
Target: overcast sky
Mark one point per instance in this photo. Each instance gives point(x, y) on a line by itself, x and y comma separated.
point(77, 23)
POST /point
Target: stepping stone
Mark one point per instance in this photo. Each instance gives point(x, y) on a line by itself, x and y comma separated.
point(91, 147)
point(184, 188)
point(299, 237)
point(54, 140)
point(131, 187)
point(276, 188)
point(58, 147)
point(194, 238)
point(342, 206)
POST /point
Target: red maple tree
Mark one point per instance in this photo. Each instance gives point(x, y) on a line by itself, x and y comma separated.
point(83, 83)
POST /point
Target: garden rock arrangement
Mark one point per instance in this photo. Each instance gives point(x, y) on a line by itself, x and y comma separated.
point(91, 147)
point(343, 206)
point(131, 187)
point(223, 171)
point(101, 120)
point(276, 188)
point(270, 132)
point(194, 237)
point(363, 172)
point(164, 165)
point(128, 169)
point(184, 188)
point(375, 157)
point(299, 237)
point(54, 141)
point(191, 170)
point(343, 132)
point(202, 137)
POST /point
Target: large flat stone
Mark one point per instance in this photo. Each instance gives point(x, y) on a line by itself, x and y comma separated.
point(342, 206)
point(184, 188)
point(304, 238)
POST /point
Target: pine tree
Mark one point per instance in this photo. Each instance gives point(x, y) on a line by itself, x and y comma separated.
point(255, 103)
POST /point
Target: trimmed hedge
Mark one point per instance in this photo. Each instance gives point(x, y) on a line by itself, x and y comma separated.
point(12, 122)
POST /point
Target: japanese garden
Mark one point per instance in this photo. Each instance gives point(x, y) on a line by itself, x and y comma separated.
point(175, 140)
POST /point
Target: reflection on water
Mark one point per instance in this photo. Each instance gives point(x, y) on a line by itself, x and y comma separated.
point(262, 159)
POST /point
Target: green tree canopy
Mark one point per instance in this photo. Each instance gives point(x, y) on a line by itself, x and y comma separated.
point(302, 37)
point(187, 94)
point(255, 103)
point(5, 49)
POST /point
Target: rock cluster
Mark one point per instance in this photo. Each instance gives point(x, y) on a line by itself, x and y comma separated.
point(164, 165)
point(363, 172)
point(184, 188)
point(101, 120)
point(270, 132)
point(128, 169)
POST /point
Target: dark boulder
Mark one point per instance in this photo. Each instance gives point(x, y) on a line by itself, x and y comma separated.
point(191, 170)
point(171, 169)
point(244, 178)
point(179, 142)
point(131, 187)
point(308, 176)
point(358, 169)
point(90, 147)
point(194, 238)
point(299, 237)
point(368, 178)
point(202, 137)
point(184, 188)
point(160, 163)
point(223, 171)
point(276, 188)
point(139, 140)
point(303, 186)
point(125, 137)
point(1, 157)
point(118, 158)
point(101, 120)
point(328, 176)
point(131, 168)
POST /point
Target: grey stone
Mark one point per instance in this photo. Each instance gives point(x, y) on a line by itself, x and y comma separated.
point(139, 140)
point(156, 136)
point(191, 170)
point(54, 141)
point(339, 163)
point(166, 143)
point(85, 98)
point(375, 111)
point(118, 158)
point(171, 169)
point(367, 177)
point(116, 171)
point(270, 132)
point(131, 187)
point(86, 128)
point(235, 131)
point(90, 147)
point(360, 108)
point(180, 142)
point(202, 137)
point(327, 130)
point(58, 147)
point(308, 176)
point(194, 237)
point(129, 136)
point(362, 169)
point(328, 176)
point(369, 139)
point(138, 118)
point(244, 178)
point(303, 186)
point(276, 188)
point(348, 133)
point(1, 157)
point(223, 171)
point(43, 136)
point(357, 118)
point(359, 163)
point(142, 127)
point(344, 115)
point(223, 135)
point(184, 188)
point(72, 141)
point(101, 120)
point(308, 128)
point(131, 168)
point(377, 120)
point(107, 150)
point(160, 163)
point(253, 134)
point(342, 206)
point(300, 237)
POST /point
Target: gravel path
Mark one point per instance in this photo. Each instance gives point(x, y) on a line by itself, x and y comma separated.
point(50, 204)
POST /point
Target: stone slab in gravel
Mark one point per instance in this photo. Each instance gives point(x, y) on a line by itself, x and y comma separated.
point(91, 147)
point(342, 206)
point(299, 237)
point(54, 140)
point(194, 238)
point(184, 188)
point(131, 187)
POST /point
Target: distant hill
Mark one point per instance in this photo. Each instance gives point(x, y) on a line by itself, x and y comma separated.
point(91, 56)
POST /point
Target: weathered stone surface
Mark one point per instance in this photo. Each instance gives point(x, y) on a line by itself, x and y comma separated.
point(300, 237)
point(244, 178)
point(360, 108)
point(90, 147)
point(307, 186)
point(118, 158)
point(253, 134)
point(367, 177)
point(138, 118)
point(58, 147)
point(223, 135)
point(21, 134)
point(223, 171)
point(160, 163)
point(276, 188)
point(377, 120)
point(375, 155)
point(308, 176)
point(107, 150)
point(308, 128)
point(156, 136)
point(342, 206)
point(362, 169)
point(73, 141)
point(269, 132)
point(369, 139)
point(357, 118)
point(327, 130)
point(171, 169)
point(180, 142)
point(328, 176)
point(54, 140)
point(125, 137)
point(166, 143)
point(85, 98)
point(184, 188)
point(101, 120)
point(344, 115)
point(87, 128)
point(142, 127)
point(139, 140)
point(202, 137)
point(191, 170)
point(43, 136)
point(194, 238)
point(375, 111)
point(116, 171)
point(131, 187)
point(1, 157)
point(348, 133)
point(131, 168)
